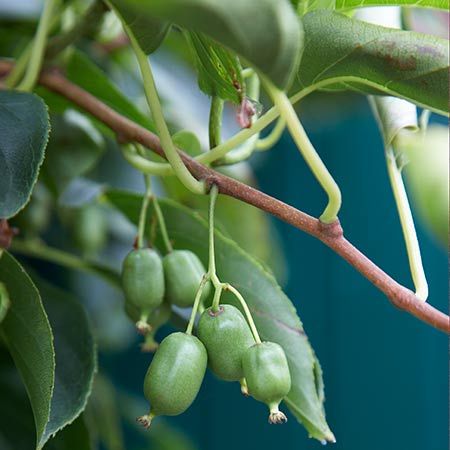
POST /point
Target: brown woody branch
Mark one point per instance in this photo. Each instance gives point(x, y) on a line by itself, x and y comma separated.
point(330, 235)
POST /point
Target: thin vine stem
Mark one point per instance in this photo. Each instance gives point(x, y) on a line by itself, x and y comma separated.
point(196, 305)
point(164, 169)
point(219, 287)
point(168, 146)
point(162, 224)
point(248, 314)
point(143, 164)
point(213, 193)
point(86, 24)
point(40, 250)
point(217, 295)
point(20, 66)
point(215, 121)
point(212, 274)
point(159, 215)
point(266, 119)
point(143, 212)
point(408, 228)
point(308, 151)
point(273, 137)
point(38, 47)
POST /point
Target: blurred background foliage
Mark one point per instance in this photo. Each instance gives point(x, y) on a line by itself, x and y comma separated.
point(385, 375)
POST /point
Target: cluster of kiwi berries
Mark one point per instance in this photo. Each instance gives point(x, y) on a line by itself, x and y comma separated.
point(225, 339)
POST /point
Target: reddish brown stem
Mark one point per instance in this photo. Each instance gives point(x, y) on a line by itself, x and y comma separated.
point(331, 235)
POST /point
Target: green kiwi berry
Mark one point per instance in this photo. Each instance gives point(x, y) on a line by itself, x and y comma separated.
point(89, 229)
point(174, 377)
point(143, 283)
point(226, 336)
point(268, 378)
point(184, 272)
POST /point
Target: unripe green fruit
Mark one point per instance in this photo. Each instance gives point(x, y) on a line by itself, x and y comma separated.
point(143, 280)
point(226, 336)
point(174, 377)
point(89, 229)
point(268, 378)
point(184, 272)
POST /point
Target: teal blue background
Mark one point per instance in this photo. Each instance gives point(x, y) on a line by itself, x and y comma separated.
point(386, 373)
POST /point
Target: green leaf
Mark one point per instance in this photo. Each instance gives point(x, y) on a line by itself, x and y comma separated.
point(346, 53)
point(73, 437)
point(219, 70)
point(82, 71)
point(27, 333)
point(4, 301)
point(351, 4)
point(86, 74)
point(266, 33)
point(58, 385)
point(17, 430)
point(148, 31)
point(188, 141)
point(274, 314)
point(75, 359)
point(305, 6)
point(24, 129)
point(103, 415)
point(74, 148)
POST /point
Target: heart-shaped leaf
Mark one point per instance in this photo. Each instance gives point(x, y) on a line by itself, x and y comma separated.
point(344, 53)
point(274, 314)
point(266, 33)
point(24, 129)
